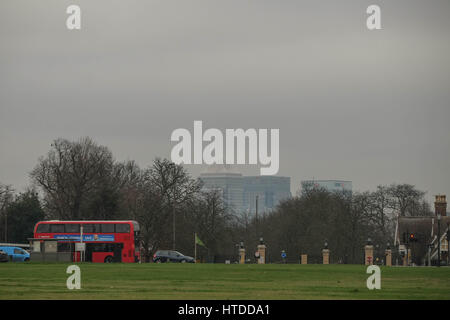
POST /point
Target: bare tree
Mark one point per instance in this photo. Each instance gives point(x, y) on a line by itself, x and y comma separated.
point(6, 197)
point(172, 181)
point(359, 225)
point(130, 178)
point(404, 198)
point(210, 219)
point(75, 178)
point(153, 219)
point(381, 213)
point(166, 188)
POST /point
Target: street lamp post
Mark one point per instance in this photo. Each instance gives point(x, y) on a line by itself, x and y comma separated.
point(256, 215)
point(439, 239)
point(173, 228)
point(448, 244)
point(430, 248)
point(6, 226)
point(406, 247)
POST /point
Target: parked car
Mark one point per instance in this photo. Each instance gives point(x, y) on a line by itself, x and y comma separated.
point(16, 254)
point(171, 256)
point(3, 256)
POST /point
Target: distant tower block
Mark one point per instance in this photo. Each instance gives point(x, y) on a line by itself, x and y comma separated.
point(368, 254)
point(440, 205)
point(326, 256)
point(304, 259)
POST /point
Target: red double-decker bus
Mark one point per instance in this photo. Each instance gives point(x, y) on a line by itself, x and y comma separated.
point(106, 241)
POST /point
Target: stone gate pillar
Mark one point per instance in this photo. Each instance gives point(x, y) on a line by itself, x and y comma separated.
point(262, 253)
point(326, 256)
point(325, 253)
point(388, 254)
point(368, 254)
point(407, 258)
point(241, 253)
point(304, 259)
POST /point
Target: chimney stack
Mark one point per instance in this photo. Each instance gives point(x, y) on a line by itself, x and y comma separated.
point(440, 205)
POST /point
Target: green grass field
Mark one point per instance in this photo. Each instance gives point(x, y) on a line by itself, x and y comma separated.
point(220, 281)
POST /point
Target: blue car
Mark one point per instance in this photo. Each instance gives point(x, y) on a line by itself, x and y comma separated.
point(16, 254)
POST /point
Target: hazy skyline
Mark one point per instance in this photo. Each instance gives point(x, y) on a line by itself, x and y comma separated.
point(351, 104)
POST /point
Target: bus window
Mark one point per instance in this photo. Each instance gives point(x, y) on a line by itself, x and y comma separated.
point(88, 228)
point(72, 228)
point(56, 228)
point(107, 228)
point(122, 228)
point(97, 247)
point(102, 247)
point(91, 228)
point(43, 228)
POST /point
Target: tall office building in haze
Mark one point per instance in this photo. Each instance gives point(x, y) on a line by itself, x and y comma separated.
point(240, 192)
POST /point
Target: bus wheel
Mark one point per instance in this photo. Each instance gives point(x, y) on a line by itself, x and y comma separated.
point(108, 259)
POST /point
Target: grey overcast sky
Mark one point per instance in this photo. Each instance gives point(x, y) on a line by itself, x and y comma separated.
point(368, 106)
